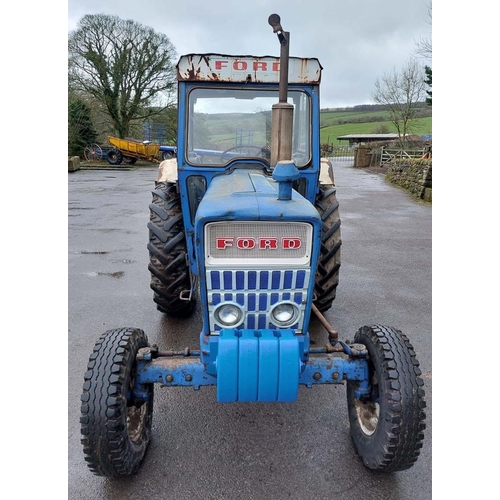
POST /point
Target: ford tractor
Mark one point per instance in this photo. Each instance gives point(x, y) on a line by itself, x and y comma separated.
point(244, 224)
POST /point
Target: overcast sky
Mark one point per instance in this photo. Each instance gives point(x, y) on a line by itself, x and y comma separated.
point(355, 41)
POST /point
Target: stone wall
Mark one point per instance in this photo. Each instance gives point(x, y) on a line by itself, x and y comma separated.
point(413, 175)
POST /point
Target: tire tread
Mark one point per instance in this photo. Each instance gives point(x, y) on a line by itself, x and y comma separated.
point(167, 252)
point(106, 447)
point(327, 274)
point(397, 446)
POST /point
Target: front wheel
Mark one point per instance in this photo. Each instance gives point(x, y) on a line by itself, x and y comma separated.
point(92, 152)
point(116, 427)
point(387, 425)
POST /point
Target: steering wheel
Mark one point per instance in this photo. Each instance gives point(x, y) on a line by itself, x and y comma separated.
point(245, 149)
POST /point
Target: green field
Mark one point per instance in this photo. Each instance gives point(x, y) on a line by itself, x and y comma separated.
point(329, 118)
point(328, 135)
point(335, 123)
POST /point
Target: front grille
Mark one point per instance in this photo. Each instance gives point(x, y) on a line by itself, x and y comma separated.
point(256, 292)
point(230, 243)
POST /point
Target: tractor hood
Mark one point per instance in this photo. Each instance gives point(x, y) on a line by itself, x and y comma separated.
point(251, 195)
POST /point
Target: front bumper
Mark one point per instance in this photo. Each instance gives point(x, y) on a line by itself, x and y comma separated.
point(252, 366)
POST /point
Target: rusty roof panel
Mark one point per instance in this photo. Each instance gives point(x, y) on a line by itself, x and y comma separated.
point(244, 69)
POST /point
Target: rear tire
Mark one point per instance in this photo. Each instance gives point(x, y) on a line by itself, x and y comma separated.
point(387, 426)
point(116, 430)
point(115, 157)
point(129, 160)
point(327, 274)
point(167, 247)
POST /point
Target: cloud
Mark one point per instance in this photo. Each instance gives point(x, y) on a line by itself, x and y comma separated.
point(356, 42)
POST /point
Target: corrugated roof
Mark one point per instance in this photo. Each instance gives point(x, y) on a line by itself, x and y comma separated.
point(369, 136)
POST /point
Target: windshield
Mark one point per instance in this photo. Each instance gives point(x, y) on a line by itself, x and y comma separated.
point(225, 124)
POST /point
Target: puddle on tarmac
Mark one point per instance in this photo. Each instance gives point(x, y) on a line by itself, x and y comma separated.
point(117, 274)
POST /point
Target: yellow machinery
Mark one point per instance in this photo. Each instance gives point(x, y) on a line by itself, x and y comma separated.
point(130, 150)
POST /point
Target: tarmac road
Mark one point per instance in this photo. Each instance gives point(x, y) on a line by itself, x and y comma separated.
point(202, 449)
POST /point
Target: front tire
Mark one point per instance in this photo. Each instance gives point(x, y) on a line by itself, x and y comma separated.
point(327, 274)
point(387, 426)
point(170, 275)
point(116, 430)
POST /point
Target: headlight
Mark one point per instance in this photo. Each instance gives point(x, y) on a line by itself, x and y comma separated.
point(228, 314)
point(284, 314)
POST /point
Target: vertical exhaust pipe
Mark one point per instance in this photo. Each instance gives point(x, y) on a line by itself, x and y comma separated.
point(282, 112)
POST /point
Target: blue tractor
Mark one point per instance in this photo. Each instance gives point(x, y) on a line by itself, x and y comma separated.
point(251, 233)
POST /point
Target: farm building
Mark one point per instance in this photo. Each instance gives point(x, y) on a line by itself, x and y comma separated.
point(357, 138)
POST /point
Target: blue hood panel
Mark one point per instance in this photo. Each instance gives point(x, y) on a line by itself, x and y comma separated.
point(251, 195)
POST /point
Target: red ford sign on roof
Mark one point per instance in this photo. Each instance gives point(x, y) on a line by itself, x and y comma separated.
point(225, 68)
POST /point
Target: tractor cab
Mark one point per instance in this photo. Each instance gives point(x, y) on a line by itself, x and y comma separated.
point(225, 111)
point(225, 105)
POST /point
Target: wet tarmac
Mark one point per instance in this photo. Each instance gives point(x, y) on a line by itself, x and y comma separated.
point(202, 449)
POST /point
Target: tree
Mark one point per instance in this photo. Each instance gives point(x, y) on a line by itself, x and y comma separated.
point(400, 92)
point(81, 130)
point(125, 66)
point(424, 50)
point(428, 81)
point(424, 44)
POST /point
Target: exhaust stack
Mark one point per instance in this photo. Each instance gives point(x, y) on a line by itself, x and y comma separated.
point(282, 113)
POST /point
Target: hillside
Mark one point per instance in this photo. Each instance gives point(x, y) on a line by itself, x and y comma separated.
point(333, 123)
point(367, 119)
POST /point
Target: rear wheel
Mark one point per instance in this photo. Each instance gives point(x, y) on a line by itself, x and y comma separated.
point(129, 160)
point(327, 274)
point(387, 426)
point(115, 157)
point(170, 276)
point(116, 428)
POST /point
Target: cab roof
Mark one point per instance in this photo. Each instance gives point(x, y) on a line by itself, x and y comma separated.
point(246, 69)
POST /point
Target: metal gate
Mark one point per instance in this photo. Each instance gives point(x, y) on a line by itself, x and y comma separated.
point(389, 154)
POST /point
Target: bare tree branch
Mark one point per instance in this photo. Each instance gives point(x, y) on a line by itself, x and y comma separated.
point(400, 92)
point(424, 44)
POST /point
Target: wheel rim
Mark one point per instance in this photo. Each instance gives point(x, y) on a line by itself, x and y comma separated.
point(137, 414)
point(93, 152)
point(368, 410)
point(136, 421)
point(368, 415)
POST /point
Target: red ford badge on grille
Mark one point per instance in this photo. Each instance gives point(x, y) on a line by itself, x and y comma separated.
point(271, 243)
